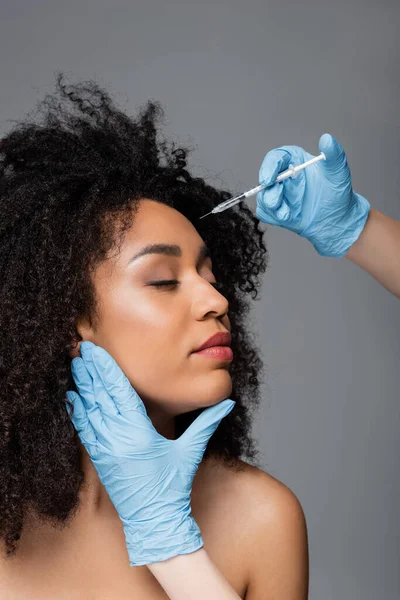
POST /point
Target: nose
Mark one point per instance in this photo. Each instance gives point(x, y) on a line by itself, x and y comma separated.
point(208, 301)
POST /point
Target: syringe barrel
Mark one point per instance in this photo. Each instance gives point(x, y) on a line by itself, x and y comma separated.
point(231, 202)
point(292, 171)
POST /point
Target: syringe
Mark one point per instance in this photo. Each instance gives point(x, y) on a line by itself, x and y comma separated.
point(290, 172)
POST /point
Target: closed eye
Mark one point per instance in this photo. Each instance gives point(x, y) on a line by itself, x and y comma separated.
point(174, 282)
point(166, 282)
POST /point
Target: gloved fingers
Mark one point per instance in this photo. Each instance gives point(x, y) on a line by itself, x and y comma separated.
point(271, 197)
point(294, 190)
point(335, 164)
point(199, 432)
point(84, 383)
point(264, 212)
point(81, 423)
point(111, 384)
point(274, 162)
point(272, 207)
point(100, 395)
point(283, 212)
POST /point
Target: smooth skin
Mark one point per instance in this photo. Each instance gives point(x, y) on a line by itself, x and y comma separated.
point(377, 250)
point(150, 329)
point(142, 326)
point(253, 526)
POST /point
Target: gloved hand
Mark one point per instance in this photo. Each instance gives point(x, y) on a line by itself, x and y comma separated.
point(319, 203)
point(147, 477)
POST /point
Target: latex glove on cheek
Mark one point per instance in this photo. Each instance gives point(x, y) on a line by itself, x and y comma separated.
point(147, 477)
point(319, 203)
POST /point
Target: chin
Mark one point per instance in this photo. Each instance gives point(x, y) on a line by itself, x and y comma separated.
point(207, 393)
point(191, 395)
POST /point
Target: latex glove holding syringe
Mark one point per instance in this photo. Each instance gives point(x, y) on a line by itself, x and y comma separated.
point(313, 197)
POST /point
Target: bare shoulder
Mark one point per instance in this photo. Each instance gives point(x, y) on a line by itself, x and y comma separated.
point(261, 497)
point(276, 540)
point(266, 487)
point(253, 484)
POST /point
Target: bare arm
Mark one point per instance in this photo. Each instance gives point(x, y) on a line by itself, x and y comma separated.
point(377, 250)
point(275, 551)
point(192, 576)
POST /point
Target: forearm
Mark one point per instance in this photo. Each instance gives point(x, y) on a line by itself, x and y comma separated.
point(377, 250)
point(192, 576)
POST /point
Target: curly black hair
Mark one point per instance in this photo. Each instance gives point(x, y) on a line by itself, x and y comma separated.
point(71, 176)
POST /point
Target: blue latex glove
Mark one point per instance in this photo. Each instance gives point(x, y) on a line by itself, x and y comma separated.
point(147, 477)
point(319, 203)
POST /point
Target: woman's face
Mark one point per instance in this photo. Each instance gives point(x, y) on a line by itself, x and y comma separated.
point(152, 331)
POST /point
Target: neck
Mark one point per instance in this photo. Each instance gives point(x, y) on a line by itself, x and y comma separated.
point(163, 423)
point(94, 496)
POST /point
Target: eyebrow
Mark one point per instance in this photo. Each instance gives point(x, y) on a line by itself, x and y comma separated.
point(169, 250)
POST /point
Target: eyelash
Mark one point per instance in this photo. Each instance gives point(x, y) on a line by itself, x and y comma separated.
point(175, 282)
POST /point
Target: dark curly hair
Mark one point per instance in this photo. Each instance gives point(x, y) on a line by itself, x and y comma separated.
point(71, 175)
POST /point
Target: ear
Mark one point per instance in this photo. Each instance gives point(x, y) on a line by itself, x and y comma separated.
point(86, 334)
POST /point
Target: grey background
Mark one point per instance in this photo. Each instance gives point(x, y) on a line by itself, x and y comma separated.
point(238, 79)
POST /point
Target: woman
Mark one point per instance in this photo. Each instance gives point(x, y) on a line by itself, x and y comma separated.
point(151, 313)
point(82, 192)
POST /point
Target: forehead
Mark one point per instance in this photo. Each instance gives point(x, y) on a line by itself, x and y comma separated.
point(157, 222)
point(153, 223)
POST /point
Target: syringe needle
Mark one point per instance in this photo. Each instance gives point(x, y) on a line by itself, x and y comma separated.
point(231, 202)
point(206, 215)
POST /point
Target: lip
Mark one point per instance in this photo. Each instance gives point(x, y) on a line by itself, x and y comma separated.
point(218, 352)
point(220, 338)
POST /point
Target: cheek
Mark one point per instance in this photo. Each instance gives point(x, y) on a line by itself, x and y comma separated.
point(136, 326)
point(145, 354)
point(146, 341)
